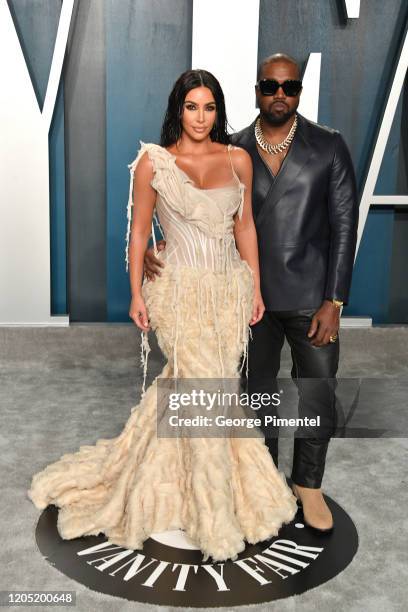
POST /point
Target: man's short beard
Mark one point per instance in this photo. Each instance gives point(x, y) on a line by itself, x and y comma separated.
point(274, 120)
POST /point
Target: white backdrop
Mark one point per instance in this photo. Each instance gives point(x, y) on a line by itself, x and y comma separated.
point(231, 53)
point(25, 284)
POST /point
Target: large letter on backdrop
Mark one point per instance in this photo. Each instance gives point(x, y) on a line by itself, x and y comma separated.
point(368, 196)
point(25, 288)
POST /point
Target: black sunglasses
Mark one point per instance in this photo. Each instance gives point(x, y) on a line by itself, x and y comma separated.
point(269, 87)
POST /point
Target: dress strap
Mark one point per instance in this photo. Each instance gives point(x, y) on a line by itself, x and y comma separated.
point(240, 185)
point(232, 165)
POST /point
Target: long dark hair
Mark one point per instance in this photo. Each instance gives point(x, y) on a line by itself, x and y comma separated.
point(172, 127)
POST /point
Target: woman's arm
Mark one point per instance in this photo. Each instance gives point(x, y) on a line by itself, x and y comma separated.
point(244, 228)
point(144, 198)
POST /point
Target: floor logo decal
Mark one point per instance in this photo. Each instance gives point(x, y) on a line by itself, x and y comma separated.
point(170, 571)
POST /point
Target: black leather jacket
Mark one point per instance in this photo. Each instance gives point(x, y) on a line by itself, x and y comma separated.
point(306, 218)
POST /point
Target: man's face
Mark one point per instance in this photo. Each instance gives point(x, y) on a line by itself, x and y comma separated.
point(277, 109)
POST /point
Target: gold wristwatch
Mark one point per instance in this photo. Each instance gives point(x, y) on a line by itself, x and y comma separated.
point(337, 303)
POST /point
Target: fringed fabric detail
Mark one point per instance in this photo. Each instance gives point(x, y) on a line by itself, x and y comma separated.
point(144, 353)
point(175, 306)
point(201, 304)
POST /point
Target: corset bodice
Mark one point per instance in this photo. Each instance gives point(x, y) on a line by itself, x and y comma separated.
point(197, 223)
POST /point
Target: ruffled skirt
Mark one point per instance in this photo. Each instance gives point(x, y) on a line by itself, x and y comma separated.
point(222, 491)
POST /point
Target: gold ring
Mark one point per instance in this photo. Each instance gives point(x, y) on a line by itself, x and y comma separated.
point(333, 338)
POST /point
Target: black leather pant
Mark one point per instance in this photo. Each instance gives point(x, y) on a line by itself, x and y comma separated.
point(316, 397)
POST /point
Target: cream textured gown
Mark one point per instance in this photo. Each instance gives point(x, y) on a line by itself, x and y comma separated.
point(221, 491)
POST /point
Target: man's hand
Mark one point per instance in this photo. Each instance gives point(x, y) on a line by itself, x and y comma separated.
point(152, 264)
point(325, 323)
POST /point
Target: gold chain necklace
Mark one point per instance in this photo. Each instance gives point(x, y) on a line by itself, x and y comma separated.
point(274, 148)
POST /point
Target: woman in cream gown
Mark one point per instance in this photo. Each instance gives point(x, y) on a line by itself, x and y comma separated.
point(222, 491)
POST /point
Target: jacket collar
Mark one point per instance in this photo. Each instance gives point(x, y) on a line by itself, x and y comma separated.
point(298, 156)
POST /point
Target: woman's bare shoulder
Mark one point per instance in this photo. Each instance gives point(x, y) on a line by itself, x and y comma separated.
point(145, 167)
point(145, 161)
point(241, 158)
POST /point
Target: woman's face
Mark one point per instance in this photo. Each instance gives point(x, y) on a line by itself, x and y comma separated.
point(199, 113)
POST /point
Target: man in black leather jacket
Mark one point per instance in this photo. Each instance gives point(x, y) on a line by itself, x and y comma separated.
point(306, 213)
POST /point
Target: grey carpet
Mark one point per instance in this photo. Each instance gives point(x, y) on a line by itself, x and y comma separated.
point(61, 388)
